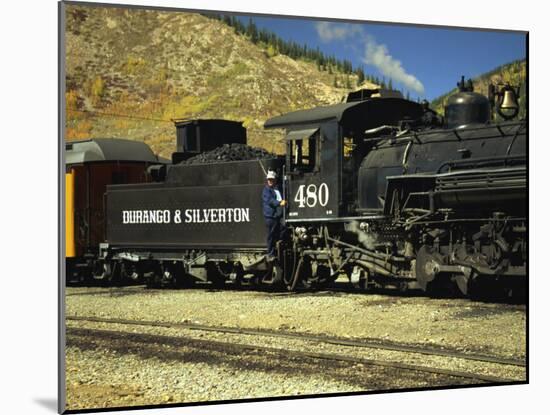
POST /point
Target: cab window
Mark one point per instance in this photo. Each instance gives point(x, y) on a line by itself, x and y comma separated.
point(304, 154)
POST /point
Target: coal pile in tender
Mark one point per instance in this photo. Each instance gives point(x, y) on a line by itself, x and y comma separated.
point(230, 152)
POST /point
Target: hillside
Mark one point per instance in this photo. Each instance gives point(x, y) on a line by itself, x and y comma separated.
point(514, 72)
point(129, 72)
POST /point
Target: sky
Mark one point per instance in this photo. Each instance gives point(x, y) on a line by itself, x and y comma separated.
point(427, 62)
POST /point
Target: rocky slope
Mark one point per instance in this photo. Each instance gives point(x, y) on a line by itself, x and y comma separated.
point(129, 72)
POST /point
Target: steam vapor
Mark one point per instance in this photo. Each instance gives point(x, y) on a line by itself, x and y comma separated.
point(375, 54)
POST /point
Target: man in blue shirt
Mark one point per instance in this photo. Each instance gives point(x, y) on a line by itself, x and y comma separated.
point(273, 204)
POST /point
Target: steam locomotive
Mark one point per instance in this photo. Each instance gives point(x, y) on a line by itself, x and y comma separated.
point(379, 188)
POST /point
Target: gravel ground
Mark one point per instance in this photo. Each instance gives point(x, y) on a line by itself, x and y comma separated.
point(101, 373)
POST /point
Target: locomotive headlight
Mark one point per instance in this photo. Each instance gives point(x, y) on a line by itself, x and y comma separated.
point(364, 226)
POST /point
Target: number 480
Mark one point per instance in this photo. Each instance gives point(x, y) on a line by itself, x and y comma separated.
point(309, 196)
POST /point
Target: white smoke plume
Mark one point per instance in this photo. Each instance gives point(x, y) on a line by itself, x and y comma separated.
point(375, 54)
point(378, 56)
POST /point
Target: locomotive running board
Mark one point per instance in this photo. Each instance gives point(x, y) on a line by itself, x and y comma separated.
point(344, 219)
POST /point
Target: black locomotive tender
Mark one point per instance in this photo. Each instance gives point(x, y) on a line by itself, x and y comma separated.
point(379, 188)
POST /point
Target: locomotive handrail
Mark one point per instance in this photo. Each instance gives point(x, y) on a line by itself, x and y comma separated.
point(512, 141)
point(464, 220)
point(476, 161)
point(455, 132)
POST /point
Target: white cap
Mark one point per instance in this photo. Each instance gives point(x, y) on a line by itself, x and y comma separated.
point(271, 175)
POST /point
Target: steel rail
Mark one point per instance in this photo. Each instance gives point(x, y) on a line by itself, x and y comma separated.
point(308, 337)
point(111, 334)
point(108, 291)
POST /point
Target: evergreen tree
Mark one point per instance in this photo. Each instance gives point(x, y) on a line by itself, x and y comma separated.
point(252, 31)
point(263, 36)
point(360, 75)
point(294, 50)
point(239, 27)
point(280, 46)
point(348, 82)
point(273, 39)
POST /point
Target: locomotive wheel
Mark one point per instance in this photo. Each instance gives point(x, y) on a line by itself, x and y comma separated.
point(292, 274)
point(300, 275)
point(427, 266)
point(462, 283)
point(214, 275)
point(362, 283)
point(324, 277)
point(277, 274)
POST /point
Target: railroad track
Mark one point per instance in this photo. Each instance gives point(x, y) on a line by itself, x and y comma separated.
point(309, 337)
point(108, 291)
point(330, 340)
point(201, 344)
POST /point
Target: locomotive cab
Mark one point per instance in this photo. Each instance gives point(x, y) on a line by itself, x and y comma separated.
point(324, 148)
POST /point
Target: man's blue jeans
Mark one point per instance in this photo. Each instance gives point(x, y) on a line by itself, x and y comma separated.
point(274, 228)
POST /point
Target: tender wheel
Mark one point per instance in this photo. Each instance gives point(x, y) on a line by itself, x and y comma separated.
point(153, 276)
point(236, 275)
point(214, 275)
point(106, 273)
point(129, 273)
